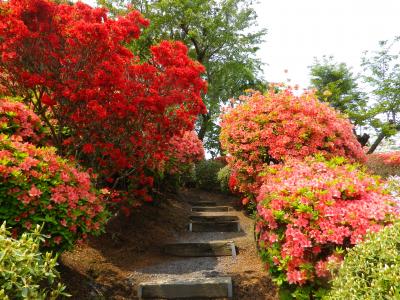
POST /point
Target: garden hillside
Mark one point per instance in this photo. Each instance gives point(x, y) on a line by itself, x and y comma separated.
point(107, 116)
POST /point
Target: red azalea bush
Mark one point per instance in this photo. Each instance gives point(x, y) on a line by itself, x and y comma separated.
point(384, 164)
point(310, 212)
point(37, 187)
point(271, 128)
point(16, 118)
point(99, 100)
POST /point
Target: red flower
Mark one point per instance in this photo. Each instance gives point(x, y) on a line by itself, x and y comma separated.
point(88, 148)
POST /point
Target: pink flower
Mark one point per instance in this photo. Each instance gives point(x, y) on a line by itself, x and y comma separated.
point(34, 191)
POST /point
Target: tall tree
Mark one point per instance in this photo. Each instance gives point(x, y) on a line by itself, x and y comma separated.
point(382, 69)
point(335, 83)
point(221, 35)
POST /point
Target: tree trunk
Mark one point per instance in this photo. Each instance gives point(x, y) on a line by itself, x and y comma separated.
point(205, 119)
point(378, 140)
point(363, 139)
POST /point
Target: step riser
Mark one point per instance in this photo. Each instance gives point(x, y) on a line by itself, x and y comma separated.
point(211, 209)
point(214, 227)
point(201, 249)
point(202, 203)
point(214, 218)
point(211, 288)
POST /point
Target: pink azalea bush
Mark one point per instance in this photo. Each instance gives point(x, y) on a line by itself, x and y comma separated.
point(271, 128)
point(17, 119)
point(39, 187)
point(184, 151)
point(310, 212)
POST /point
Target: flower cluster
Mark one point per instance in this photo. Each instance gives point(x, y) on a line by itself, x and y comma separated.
point(271, 128)
point(39, 187)
point(184, 151)
point(16, 118)
point(390, 158)
point(311, 211)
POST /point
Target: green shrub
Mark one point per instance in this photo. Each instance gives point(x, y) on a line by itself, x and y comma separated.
point(371, 270)
point(223, 179)
point(25, 273)
point(206, 174)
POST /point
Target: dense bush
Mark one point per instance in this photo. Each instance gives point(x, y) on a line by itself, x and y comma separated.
point(17, 119)
point(184, 151)
point(207, 174)
point(371, 270)
point(310, 212)
point(223, 177)
point(37, 186)
point(178, 167)
point(113, 109)
point(26, 273)
point(271, 128)
point(384, 164)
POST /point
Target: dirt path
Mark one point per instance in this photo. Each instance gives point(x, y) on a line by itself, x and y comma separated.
point(112, 266)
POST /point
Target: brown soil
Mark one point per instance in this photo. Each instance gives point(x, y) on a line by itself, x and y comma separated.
point(111, 266)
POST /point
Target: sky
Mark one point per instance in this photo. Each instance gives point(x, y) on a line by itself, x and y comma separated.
point(299, 30)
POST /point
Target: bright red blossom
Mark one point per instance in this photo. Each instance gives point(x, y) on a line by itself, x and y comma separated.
point(120, 112)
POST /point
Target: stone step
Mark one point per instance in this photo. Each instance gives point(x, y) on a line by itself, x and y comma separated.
point(220, 218)
point(203, 203)
point(226, 248)
point(229, 226)
point(211, 208)
point(215, 287)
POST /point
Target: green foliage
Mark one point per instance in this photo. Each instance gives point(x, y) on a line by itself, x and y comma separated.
point(207, 174)
point(382, 72)
point(26, 273)
point(371, 270)
point(336, 84)
point(221, 35)
point(223, 178)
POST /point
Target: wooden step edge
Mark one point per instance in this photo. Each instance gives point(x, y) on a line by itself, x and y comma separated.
point(210, 249)
point(214, 287)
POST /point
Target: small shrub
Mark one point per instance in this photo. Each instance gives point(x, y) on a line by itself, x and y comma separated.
point(371, 270)
point(384, 164)
point(37, 186)
point(17, 119)
point(310, 212)
point(223, 176)
point(26, 273)
point(207, 174)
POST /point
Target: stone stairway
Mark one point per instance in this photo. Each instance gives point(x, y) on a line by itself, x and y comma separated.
point(207, 218)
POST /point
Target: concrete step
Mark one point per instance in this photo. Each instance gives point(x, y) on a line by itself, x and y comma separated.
point(220, 218)
point(226, 248)
point(211, 208)
point(215, 287)
point(202, 203)
point(229, 226)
